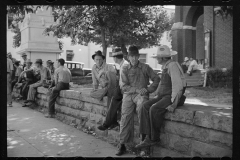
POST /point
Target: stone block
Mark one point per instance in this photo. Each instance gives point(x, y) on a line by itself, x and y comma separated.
point(158, 151)
point(181, 115)
point(43, 97)
point(70, 94)
point(207, 150)
point(199, 133)
point(72, 103)
point(215, 120)
point(42, 90)
point(97, 109)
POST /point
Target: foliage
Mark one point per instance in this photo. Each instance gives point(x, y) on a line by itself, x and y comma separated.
point(224, 11)
point(108, 25)
point(218, 78)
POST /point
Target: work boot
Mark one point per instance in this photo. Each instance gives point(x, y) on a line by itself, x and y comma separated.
point(122, 149)
point(102, 127)
point(49, 115)
point(113, 126)
point(146, 143)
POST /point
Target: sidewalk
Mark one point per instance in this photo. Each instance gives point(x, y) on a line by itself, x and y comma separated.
point(30, 134)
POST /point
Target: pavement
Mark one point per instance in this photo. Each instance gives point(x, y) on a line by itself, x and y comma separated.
point(30, 134)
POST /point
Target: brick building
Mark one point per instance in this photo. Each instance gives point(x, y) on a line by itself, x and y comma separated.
point(193, 25)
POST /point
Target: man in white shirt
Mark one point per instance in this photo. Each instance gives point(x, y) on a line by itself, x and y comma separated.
point(192, 66)
point(116, 101)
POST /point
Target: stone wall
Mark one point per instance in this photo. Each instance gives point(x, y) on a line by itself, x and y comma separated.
point(192, 130)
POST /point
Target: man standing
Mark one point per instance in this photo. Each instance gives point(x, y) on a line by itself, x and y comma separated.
point(62, 79)
point(17, 73)
point(116, 101)
point(171, 88)
point(9, 81)
point(135, 80)
point(51, 70)
point(45, 75)
point(103, 75)
point(24, 57)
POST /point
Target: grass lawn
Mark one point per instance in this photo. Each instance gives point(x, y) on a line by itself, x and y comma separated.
point(210, 95)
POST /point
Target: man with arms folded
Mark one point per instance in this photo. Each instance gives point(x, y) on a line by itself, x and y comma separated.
point(135, 80)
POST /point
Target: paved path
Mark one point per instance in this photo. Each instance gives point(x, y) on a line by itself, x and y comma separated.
point(30, 134)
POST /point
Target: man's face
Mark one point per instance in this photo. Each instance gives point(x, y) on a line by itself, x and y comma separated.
point(115, 59)
point(48, 64)
point(191, 59)
point(37, 65)
point(133, 59)
point(98, 60)
point(24, 57)
point(10, 56)
point(28, 64)
point(160, 60)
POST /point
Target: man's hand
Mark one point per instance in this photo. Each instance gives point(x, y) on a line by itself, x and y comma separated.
point(142, 91)
point(170, 108)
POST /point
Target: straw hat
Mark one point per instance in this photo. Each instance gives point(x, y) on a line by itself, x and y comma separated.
point(164, 51)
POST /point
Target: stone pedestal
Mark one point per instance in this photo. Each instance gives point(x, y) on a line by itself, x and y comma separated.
point(33, 42)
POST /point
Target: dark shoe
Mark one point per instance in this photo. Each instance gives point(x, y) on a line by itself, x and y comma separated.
point(26, 101)
point(146, 143)
point(102, 127)
point(49, 115)
point(24, 105)
point(113, 126)
point(121, 150)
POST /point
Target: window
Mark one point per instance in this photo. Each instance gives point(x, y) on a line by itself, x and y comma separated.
point(143, 57)
point(69, 54)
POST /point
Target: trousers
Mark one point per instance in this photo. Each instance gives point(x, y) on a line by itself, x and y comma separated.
point(32, 91)
point(9, 88)
point(129, 103)
point(25, 88)
point(114, 107)
point(54, 94)
point(152, 116)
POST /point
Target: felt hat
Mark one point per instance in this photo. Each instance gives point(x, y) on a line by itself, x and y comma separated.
point(186, 59)
point(49, 61)
point(28, 61)
point(98, 53)
point(39, 61)
point(164, 51)
point(116, 52)
point(24, 54)
point(133, 51)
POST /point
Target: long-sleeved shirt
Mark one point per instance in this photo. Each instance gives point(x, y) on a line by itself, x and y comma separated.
point(137, 77)
point(123, 63)
point(45, 74)
point(62, 74)
point(9, 65)
point(96, 71)
point(177, 77)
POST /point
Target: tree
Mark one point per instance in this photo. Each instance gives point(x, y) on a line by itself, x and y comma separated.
point(110, 25)
point(224, 11)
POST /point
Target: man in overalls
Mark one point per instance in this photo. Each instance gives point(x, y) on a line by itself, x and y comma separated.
point(135, 80)
point(169, 92)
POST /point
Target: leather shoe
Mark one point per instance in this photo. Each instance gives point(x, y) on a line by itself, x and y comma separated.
point(146, 143)
point(121, 150)
point(113, 126)
point(102, 127)
point(49, 116)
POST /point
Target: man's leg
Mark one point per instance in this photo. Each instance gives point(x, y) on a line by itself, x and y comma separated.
point(9, 91)
point(127, 123)
point(53, 97)
point(32, 92)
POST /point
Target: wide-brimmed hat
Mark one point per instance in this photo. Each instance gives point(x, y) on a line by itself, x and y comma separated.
point(28, 61)
point(116, 52)
point(164, 51)
point(98, 53)
point(17, 62)
point(186, 59)
point(133, 51)
point(49, 61)
point(9, 53)
point(39, 61)
point(24, 54)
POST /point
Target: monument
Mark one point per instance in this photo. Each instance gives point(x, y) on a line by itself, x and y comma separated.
point(33, 42)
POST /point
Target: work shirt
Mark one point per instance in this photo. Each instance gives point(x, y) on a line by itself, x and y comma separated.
point(9, 65)
point(62, 74)
point(137, 77)
point(96, 71)
point(193, 64)
point(123, 63)
point(52, 72)
point(44, 72)
point(177, 77)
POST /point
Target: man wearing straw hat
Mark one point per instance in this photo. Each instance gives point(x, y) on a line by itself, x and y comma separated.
point(116, 101)
point(169, 92)
point(135, 78)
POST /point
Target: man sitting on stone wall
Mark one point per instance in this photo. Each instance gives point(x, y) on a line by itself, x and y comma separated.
point(135, 80)
point(62, 77)
point(103, 75)
point(116, 101)
point(45, 75)
point(169, 93)
point(192, 66)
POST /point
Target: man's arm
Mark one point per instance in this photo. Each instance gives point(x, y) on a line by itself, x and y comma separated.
point(94, 79)
point(111, 68)
point(177, 84)
point(124, 85)
point(154, 77)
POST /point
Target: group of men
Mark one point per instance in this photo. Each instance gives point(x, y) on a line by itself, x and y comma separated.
point(35, 76)
point(130, 89)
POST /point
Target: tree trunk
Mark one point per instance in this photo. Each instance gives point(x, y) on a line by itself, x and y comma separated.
point(104, 45)
point(124, 50)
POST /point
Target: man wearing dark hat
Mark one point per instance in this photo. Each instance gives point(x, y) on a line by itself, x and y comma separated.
point(169, 92)
point(9, 81)
point(45, 75)
point(116, 101)
point(17, 73)
point(103, 75)
point(135, 79)
point(24, 57)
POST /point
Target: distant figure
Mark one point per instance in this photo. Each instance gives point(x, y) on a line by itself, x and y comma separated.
point(9, 81)
point(185, 64)
point(17, 73)
point(24, 57)
point(9, 55)
point(51, 70)
point(192, 66)
point(62, 77)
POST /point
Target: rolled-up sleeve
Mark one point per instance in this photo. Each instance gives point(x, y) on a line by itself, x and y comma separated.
point(177, 84)
point(155, 78)
point(125, 85)
point(94, 78)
